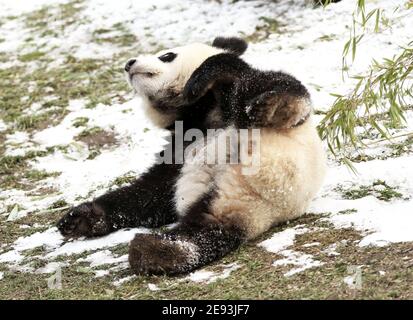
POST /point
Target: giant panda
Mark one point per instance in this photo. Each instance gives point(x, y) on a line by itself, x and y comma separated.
point(214, 208)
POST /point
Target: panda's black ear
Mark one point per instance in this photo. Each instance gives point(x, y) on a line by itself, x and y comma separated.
point(232, 44)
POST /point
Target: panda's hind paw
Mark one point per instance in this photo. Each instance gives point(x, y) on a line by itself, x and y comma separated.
point(151, 254)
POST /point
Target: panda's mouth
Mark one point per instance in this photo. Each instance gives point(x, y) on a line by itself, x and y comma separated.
point(146, 74)
point(142, 73)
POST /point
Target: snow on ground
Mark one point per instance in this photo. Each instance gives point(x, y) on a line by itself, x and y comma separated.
point(79, 176)
point(17, 7)
point(54, 246)
point(121, 281)
point(282, 240)
point(3, 126)
point(103, 257)
point(204, 276)
point(51, 267)
point(153, 287)
point(384, 222)
point(279, 243)
point(307, 44)
point(300, 260)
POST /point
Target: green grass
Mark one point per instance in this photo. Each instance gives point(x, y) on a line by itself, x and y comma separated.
point(90, 132)
point(66, 14)
point(123, 40)
point(80, 122)
point(32, 56)
point(97, 81)
point(264, 30)
point(125, 179)
point(379, 189)
point(37, 175)
point(16, 173)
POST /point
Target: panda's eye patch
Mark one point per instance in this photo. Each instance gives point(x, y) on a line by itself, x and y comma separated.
point(167, 57)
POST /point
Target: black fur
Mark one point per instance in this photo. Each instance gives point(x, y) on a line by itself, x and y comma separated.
point(146, 202)
point(164, 253)
point(210, 239)
point(248, 97)
point(244, 97)
point(234, 45)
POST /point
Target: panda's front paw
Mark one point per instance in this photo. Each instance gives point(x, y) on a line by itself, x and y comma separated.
point(85, 220)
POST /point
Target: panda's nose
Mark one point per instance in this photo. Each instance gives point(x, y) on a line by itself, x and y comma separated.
point(129, 64)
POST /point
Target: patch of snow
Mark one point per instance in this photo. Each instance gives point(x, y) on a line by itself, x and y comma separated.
point(49, 239)
point(18, 7)
point(331, 250)
point(111, 240)
point(101, 273)
point(26, 203)
point(1, 275)
point(79, 176)
point(3, 126)
point(121, 281)
point(53, 243)
point(372, 217)
point(17, 137)
point(201, 275)
point(11, 256)
point(103, 257)
point(354, 281)
point(135, 153)
point(302, 261)
point(153, 287)
point(51, 267)
point(311, 244)
point(279, 243)
point(382, 222)
point(282, 240)
point(204, 276)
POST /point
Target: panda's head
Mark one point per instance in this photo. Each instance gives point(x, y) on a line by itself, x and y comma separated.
point(161, 77)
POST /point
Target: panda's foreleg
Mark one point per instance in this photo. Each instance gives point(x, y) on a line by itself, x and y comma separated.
point(146, 202)
point(190, 245)
point(224, 68)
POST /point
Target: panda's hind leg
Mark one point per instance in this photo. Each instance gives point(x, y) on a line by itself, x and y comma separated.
point(198, 239)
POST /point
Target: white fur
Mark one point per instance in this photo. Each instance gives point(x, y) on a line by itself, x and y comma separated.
point(292, 168)
point(167, 75)
point(195, 180)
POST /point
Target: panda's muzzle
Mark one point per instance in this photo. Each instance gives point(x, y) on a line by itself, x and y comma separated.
point(133, 68)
